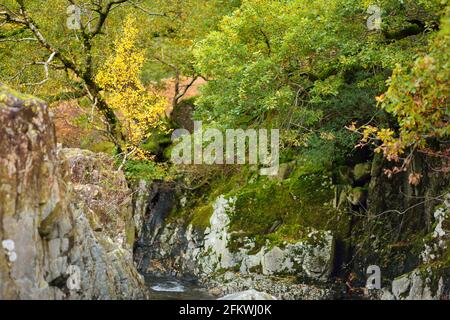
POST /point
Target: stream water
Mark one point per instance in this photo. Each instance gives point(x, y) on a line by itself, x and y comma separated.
point(171, 288)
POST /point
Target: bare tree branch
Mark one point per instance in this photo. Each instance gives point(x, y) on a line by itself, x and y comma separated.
point(10, 16)
point(187, 87)
point(103, 14)
point(137, 6)
point(46, 70)
point(178, 93)
point(18, 40)
point(37, 33)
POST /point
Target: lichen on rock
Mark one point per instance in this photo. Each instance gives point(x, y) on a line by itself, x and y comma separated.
point(45, 211)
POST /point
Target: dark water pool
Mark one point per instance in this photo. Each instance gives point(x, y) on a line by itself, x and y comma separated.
point(171, 288)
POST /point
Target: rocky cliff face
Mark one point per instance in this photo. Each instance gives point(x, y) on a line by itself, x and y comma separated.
point(405, 230)
point(178, 248)
point(66, 224)
point(430, 280)
point(402, 229)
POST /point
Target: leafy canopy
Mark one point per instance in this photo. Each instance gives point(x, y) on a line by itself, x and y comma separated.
point(311, 68)
point(139, 109)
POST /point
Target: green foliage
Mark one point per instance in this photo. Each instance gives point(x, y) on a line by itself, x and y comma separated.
point(419, 96)
point(308, 68)
point(172, 37)
point(303, 201)
point(156, 142)
point(201, 215)
point(147, 170)
point(266, 209)
point(51, 20)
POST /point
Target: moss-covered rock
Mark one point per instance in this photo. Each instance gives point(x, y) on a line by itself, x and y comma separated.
point(357, 196)
point(361, 173)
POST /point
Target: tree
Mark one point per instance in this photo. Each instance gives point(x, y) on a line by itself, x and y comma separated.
point(309, 68)
point(73, 55)
point(418, 97)
point(170, 50)
point(62, 62)
point(139, 109)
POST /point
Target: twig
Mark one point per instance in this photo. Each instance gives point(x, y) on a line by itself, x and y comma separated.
point(137, 6)
point(126, 157)
point(18, 40)
point(46, 69)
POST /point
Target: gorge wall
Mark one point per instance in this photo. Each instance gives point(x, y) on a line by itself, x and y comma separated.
point(177, 248)
point(66, 223)
point(403, 229)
